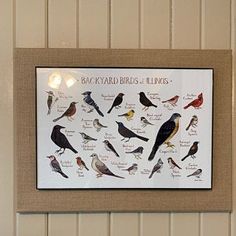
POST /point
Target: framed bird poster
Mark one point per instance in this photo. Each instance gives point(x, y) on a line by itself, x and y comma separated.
point(124, 128)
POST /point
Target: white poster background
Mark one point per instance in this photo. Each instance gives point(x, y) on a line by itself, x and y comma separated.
point(158, 85)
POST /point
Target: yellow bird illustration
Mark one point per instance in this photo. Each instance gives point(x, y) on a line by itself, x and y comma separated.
point(128, 115)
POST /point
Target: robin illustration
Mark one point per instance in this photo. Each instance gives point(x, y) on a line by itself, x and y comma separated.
point(145, 101)
point(50, 100)
point(116, 103)
point(127, 133)
point(81, 163)
point(101, 168)
point(193, 122)
point(145, 122)
point(137, 152)
point(193, 150)
point(172, 101)
point(132, 169)
point(128, 115)
point(157, 168)
point(196, 103)
point(166, 132)
point(56, 166)
point(172, 163)
point(196, 173)
point(68, 113)
point(90, 103)
point(86, 138)
point(109, 147)
point(97, 125)
point(60, 140)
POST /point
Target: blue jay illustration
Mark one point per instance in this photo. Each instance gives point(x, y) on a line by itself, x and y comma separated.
point(90, 102)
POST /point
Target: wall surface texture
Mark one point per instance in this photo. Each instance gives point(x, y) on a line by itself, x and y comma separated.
point(177, 24)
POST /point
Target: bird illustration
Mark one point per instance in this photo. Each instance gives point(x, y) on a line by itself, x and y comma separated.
point(70, 111)
point(145, 122)
point(137, 152)
point(193, 122)
point(50, 100)
point(109, 147)
point(193, 150)
point(86, 138)
point(81, 163)
point(101, 168)
point(56, 166)
point(157, 168)
point(172, 163)
point(132, 169)
point(166, 132)
point(127, 133)
point(60, 140)
point(97, 125)
point(128, 115)
point(196, 103)
point(172, 101)
point(116, 103)
point(90, 103)
point(145, 101)
point(196, 173)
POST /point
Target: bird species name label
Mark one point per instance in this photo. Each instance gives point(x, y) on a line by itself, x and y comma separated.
point(184, 143)
point(191, 166)
point(129, 106)
point(69, 133)
point(88, 147)
point(176, 175)
point(66, 164)
point(80, 173)
point(192, 132)
point(120, 165)
point(124, 128)
point(107, 97)
point(154, 117)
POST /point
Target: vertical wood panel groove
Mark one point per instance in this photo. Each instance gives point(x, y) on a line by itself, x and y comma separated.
point(77, 23)
point(171, 25)
point(139, 23)
point(199, 224)
point(233, 46)
point(14, 23)
point(230, 22)
point(109, 23)
point(46, 23)
point(46, 224)
point(200, 24)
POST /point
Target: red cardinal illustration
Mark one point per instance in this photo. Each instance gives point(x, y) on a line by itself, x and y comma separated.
point(196, 103)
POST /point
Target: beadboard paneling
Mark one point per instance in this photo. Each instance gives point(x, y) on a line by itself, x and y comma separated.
point(93, 23)
point(30, 31)
point(62, 23)
point(155, 23)
point(30, 23)
point(7, 216)
point(208, 24)
point(215, 35)
point(125, 23)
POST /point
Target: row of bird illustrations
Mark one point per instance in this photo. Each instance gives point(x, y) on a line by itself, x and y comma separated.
point(91, 104)
point(166, 132)
point(101, 168)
